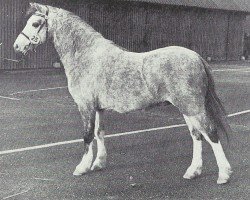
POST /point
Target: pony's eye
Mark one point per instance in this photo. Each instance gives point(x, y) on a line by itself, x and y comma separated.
point(36, 24)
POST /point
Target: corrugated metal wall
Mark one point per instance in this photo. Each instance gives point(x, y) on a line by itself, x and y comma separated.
point(136, 26)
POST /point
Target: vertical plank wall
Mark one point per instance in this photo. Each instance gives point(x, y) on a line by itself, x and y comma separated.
point(135, 26)
point(10, 10)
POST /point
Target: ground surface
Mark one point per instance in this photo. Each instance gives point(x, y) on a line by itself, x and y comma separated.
point(146, 165)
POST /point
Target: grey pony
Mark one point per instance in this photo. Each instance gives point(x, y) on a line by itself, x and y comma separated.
point(103, 76)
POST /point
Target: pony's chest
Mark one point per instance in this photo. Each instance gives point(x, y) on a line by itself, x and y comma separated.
point(81, 88)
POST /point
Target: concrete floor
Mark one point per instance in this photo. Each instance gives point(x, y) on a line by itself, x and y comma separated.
point(147, 165)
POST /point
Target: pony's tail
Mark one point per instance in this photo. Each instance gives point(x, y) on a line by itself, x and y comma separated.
point(214, 106)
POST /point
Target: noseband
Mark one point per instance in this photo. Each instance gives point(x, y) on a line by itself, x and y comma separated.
point(35, 39)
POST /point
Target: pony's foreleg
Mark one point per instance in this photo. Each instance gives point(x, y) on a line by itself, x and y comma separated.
point(100, 161)
point(195, 168)
point(85, 164)
point(88, 117)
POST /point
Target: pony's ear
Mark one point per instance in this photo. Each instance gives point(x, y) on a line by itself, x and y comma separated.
point(32, 4)
point(37, 7)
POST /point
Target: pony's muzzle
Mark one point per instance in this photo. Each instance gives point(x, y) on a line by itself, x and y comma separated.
point(21, 45)
point(16, 47)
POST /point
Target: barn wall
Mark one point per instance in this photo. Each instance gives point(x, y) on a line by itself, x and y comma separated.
point(235, 36)
point(135, 26)
point(209, 33)
point(143, 28)
point(10, 10)
point(167, 26)
point(247, 24)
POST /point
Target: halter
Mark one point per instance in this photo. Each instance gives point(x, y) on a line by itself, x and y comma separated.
point(35, 39)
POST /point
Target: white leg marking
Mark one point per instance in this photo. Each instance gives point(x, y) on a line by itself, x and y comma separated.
point(86, 162)
point(222, 162)
point(100, 161)
point(195, 168)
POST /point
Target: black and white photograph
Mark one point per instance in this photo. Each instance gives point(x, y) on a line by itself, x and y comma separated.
point(124, 99)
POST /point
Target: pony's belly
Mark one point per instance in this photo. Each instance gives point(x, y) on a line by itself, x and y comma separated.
point(127, 102)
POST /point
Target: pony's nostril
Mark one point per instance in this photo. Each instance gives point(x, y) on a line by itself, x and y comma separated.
point(16, 46)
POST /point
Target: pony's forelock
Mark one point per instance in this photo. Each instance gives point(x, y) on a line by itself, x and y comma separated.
point(31, 10)
point(34, 7)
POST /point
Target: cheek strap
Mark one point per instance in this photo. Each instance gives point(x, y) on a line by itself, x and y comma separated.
point(35, 39)
point(25, 35)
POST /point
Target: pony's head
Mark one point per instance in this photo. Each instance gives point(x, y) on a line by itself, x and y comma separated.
point(36, 30)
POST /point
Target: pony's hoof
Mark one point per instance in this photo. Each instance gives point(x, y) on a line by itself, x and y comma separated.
point(224, 178)
point(79, 172)
point(98, 165)
point(191, 174)
point(76, 173)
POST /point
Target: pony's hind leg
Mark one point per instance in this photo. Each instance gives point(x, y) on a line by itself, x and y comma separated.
point(207, 128)
point(100, 161)
point(195, 168)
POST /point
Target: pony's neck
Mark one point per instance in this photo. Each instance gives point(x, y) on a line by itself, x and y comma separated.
point(72, 36)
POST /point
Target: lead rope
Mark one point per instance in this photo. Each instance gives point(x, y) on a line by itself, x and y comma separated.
point(10, 59)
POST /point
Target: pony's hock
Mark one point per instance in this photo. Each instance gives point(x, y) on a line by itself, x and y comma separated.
point(102, 76)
